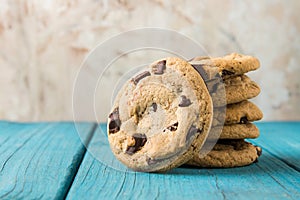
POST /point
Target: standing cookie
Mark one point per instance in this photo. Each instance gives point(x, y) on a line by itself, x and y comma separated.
point(160, 117)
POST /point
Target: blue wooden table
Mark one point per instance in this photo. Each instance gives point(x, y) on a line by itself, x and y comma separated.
point(49, 161)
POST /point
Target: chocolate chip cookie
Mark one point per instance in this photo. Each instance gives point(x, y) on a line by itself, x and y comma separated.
point(160, 117)
point(238, 113)
point(228, 153)
point(237, 87)
point(242, 113)
point(229, 65)
point(240, 88)
point(238, 131)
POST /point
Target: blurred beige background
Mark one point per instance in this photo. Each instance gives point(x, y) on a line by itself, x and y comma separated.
point(44, 42)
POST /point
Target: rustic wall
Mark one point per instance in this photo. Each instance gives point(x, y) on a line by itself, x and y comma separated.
point(43, 43)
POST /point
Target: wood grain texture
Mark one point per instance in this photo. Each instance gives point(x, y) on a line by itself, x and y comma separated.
point(40, 160)
point(283, 141)
point(275, 176)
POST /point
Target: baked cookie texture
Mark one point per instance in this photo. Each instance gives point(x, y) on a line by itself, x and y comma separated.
point(160, 117)
point(238, 113)
point(165, 115)
point(242, 113)
point(229, 65)
point(228, 153)
point(237, 87)
point(237, 131)
point(233, 132)
point(240, 88)
point(231, 127)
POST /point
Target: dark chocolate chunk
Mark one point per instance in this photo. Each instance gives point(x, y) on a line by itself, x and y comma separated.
point(140, 140)
point(154, 106)
point(114, 126)
point(192, 131)
point(173, 127)
point(131, 150)
point(226, 72)
point(259, 151)
point(115, 122)
point(184, 101)
point(159, 67)
point(244, 120)
point(199, 68)
point(140, 77)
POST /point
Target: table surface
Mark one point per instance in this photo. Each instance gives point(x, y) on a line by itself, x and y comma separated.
point(49, 161)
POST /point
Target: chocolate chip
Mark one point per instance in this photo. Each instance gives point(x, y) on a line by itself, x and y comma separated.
point(115, 122)
point(173, 127)
point(140, 77)
point(259, 151)
point(199, 68)
point(184, 101)
point(131, 150)
point(244, 120)
point(159, 67)
point(226, 72)
point(140, 140)
point(114, 126)
point(154, 106)
point(192, 131)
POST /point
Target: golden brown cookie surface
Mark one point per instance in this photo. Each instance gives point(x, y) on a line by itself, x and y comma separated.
point(228, 153)
point(237, 131)
point(229, 65)
point(159, 116)
point(242, 113)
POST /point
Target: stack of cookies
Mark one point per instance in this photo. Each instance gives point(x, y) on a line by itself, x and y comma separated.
point(231, 149)
point(165, 115)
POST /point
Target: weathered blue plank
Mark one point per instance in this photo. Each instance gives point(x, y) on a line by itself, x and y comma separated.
point(270, 178)
point(283, 141)
point(39, 160)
